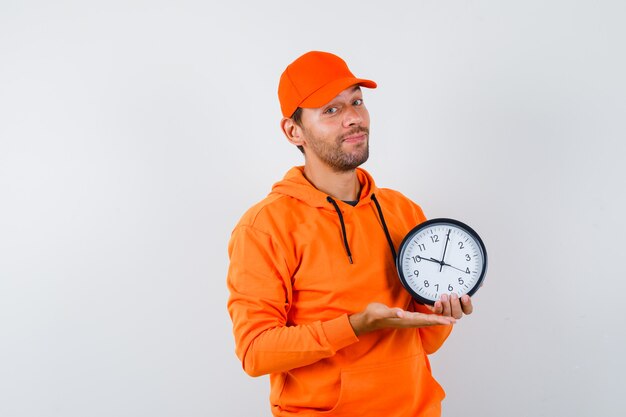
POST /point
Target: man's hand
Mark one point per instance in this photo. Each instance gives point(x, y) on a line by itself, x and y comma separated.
point(378, 316)
point(452, 306)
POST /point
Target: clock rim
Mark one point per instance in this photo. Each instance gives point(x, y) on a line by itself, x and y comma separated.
point(426, 224)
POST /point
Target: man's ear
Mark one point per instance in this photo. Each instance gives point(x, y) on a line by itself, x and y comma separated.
point(292, 131)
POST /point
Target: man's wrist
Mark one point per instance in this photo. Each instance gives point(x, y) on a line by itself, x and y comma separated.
point(357, 321)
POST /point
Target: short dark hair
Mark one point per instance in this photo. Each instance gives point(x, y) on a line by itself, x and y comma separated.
point(297, 119)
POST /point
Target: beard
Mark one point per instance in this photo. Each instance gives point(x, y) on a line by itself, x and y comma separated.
point(338, 159)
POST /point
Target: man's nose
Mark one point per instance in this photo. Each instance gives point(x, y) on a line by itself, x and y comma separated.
point(352, 117)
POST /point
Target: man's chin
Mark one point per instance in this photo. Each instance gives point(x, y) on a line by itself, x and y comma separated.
point(352, 164)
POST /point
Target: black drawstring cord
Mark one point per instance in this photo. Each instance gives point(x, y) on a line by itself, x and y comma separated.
point(382, 220)
point(343, 227)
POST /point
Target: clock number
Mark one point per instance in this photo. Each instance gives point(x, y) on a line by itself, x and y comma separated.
point(450, 288)
point(416, 258)
point(461, 245)
point(467, 271)
point(416, 273)
point(467, 257)
point(426, 284)
point(437, 285)
point(422, 247)
point(434, 238)
point(461, 282)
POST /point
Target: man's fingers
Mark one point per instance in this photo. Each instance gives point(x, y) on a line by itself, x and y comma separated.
point(445, 301)
point(466, 304)
point(450, 305)
point(436, 320)
point(398, 312)
point(446, 311)
point(455, 306)
point(379, 316)
point(414, 319)
point(437, 308)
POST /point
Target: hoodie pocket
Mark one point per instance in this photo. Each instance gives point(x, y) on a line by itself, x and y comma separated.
point(400, 388)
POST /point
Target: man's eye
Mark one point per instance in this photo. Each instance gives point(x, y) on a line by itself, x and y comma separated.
point(331, 110)
point(358, 102)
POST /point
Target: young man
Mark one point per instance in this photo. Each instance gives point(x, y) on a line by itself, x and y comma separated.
point(315, 297)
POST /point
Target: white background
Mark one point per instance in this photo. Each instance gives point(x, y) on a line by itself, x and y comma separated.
point(134, 134)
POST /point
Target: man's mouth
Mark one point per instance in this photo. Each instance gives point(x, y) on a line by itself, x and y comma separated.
point(355, 137)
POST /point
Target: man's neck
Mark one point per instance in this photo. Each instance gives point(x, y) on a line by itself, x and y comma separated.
point(340, 185)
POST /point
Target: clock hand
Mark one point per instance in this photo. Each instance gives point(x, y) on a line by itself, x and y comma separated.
point(443, 258)
point(454, 267)
point(434, 260)
point(441, 263)
point(430, 260)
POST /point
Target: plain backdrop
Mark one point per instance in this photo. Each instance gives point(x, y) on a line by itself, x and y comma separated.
point(134, 134)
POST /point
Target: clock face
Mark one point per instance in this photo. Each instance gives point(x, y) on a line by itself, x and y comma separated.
point(441, 256)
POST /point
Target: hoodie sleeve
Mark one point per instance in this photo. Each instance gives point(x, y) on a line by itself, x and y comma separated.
point(259, 282)
point(434, 336)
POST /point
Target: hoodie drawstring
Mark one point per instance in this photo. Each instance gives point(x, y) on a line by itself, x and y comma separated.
point(343, 227)
point(382, 220)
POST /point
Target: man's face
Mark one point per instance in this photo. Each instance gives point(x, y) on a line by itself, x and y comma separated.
point(338, 133)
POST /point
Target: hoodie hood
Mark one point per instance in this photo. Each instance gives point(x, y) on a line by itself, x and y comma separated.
point(295, 185)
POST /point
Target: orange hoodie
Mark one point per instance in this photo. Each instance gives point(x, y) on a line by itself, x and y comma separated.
point(292, 286)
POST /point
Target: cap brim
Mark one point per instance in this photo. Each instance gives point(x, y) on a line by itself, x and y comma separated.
point(328, 92)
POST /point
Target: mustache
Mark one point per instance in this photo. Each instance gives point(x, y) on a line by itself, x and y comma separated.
point(354, 131)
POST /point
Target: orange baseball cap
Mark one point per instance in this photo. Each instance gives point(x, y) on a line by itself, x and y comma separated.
point(313, 80)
